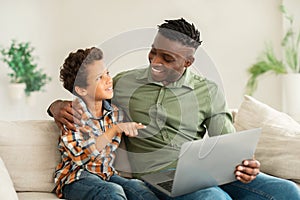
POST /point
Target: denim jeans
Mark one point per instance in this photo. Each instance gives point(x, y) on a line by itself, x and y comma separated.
point(262, 188)
point(91, 186)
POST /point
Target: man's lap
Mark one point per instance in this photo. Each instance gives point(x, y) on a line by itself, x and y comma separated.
point(212, 193)
point(263, 187)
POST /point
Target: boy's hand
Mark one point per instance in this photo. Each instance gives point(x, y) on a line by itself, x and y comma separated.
point(66, 113)
point(130, 128)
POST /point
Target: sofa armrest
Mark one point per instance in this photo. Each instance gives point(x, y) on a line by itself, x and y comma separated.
point(7, 190)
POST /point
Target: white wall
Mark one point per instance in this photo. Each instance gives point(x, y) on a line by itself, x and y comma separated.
point(234, 33)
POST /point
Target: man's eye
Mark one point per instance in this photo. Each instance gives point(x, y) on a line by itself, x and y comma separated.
point(168, 59)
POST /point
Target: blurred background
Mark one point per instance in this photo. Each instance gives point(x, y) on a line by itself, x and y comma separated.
point(234, 33)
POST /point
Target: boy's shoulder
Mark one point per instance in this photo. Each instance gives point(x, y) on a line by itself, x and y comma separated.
point(117, 113)
point(114, 107)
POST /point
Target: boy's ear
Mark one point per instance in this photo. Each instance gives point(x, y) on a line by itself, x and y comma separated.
point(81, 91)
point(189, 61)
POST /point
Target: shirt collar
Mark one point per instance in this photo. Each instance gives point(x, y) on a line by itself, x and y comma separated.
point(106, 106)
point(185, 80)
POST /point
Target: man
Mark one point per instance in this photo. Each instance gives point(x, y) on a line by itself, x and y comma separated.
point(177, 106)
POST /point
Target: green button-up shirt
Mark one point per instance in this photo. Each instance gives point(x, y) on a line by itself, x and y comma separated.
point(181, 111)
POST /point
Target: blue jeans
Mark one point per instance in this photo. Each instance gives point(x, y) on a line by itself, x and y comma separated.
point(262, 188)
point(91, 186)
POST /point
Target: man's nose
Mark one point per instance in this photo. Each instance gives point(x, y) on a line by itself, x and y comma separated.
point(156, 60)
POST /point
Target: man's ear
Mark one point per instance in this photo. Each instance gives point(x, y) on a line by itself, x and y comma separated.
point(81, 91)
point(189, 61)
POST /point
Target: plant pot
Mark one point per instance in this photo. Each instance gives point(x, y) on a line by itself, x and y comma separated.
point(291, 95)
point(16, 90)
point(31, 100)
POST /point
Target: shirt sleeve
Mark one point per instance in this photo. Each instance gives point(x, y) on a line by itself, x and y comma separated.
point(79, 149)
point(219, 118)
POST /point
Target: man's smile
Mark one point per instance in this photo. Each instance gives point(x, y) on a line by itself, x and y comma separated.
point(157, 69)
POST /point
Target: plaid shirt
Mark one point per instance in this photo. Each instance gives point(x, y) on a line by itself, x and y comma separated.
point(78, 149)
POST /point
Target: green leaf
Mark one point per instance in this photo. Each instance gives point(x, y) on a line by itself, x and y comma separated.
point(18, 56)
point(268, 61)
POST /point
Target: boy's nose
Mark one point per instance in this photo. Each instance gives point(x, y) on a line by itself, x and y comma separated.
point(108, 79)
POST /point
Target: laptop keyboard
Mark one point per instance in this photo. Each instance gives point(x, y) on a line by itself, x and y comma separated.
point(167, 185)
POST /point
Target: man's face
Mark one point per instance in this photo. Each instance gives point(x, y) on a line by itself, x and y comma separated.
point(169, 59)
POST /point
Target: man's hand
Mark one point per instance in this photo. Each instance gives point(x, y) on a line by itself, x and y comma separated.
point(247, 171)
point(66, 113)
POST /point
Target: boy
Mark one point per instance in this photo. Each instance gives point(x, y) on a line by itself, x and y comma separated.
point(86, 170)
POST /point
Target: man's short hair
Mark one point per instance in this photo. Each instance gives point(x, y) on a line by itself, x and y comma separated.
point(182, 31)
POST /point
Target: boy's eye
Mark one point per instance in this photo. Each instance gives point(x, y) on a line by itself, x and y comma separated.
point(101, 76)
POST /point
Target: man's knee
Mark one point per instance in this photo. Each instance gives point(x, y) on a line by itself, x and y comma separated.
point(289, 189)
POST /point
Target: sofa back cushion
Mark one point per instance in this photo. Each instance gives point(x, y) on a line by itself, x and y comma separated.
point(278, 147)
point(29, 151)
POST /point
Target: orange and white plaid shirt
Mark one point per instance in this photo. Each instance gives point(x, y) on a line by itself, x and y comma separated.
point(78, 149)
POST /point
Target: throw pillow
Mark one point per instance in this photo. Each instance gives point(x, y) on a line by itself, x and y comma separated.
point(278, 147)
point(7, 190)
point(29, 150)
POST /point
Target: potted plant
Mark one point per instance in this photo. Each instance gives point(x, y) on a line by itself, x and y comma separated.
point(269, 62)
point(18, 56)
point(288, 66)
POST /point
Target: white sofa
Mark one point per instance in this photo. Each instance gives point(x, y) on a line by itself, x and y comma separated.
point(28, 153)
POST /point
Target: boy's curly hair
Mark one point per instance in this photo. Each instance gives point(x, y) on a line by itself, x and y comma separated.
point(73, 71)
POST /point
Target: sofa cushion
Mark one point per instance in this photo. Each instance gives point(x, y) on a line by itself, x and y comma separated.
point(37, 196)
point(278, 147)
point(29, 150)
point(7, 190)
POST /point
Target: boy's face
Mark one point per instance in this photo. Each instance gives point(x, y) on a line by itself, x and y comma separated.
point(100, 85)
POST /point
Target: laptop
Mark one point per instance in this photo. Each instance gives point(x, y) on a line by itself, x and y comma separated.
point(206, 163)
